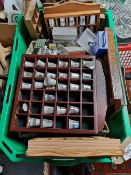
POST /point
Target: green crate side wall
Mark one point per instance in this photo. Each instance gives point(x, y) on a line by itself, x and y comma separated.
point(18, 50)
point(19, 148)
point(117, 121)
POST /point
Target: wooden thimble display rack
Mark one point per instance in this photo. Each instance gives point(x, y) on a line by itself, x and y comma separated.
point(73, 14)
point(56, 94)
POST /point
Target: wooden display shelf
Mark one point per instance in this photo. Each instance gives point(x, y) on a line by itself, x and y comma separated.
point(86, 100)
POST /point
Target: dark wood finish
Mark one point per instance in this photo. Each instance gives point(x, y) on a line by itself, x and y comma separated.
point(86, 100)
point(101, 95)
point(74, 147)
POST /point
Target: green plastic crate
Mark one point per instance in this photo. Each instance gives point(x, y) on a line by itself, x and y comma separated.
point(15, 149)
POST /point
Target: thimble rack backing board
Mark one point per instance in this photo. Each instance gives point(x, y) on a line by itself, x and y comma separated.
point(84, 99)
point(32, 20)
point(75, 10)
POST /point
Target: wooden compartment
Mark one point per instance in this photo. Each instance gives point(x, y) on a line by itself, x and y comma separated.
point(54, 104)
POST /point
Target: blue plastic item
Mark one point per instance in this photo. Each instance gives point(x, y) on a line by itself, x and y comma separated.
point(100, 45)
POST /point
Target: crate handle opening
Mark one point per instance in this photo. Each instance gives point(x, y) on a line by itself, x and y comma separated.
point(6, 146)
point(8, 94)
point(16, 46)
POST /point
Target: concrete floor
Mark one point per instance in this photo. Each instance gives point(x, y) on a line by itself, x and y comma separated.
point(11, 168)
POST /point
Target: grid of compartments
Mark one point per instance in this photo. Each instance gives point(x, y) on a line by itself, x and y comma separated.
point(81, 23)
point(56, 94)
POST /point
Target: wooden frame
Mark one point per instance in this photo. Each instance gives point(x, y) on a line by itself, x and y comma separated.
point(72, 9)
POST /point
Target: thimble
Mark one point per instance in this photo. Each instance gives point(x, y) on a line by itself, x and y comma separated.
point(49, 97)
point(74, 86)
point(71, 21)
point(75, 63)
point(73, 124)
point(63, 63)
point(28, 74)
point(74, 75)
point(52, 46)
point(50, 64)
point(63, 75)
point(49, 82)
point(50, 87)
point(26, 85)
point(61, 110)
point(81, 29)
point(82, 21)
point(74, 110)
point(89, 64)
point(29, 64)
point(25, 107)
point(62, 22)
point(33, 122)
point(40, 63)
point(47, 123)
point(52, 22)
point(92, 20)
point(39, 74)
point(62, 86)
point(48, 110)
point(86, 87)
point(86, 76)
point(51, 75)
point(38, 85)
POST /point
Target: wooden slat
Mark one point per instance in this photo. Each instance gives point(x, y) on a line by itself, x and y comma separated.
point(74, 147)
point(73, 7)
point(116, 86)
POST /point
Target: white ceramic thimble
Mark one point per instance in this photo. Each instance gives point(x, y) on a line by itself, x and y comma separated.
point(74, 75)
point(46, 123)
point(38, 85)
point(75, 63)
point(49, 82)
point(26, 85)
point(74, 110)
point(50, 64)
point(74, 86)
point(28, 74)
point(63, 75)
point(73, 124)
point(39, 74)
point(89, 64)
point(63, 63)
point(51, 75)
point(25, 107)
point(40, 63)
point(48, 110)
point(62, 86)
point(61, 110)
point(62, 22)
point(29, 64)
point(49, 97)
point(33, 122)
point(82, 21)
point(86, 87)
point(52, 22)
point(71, 21)
point(86, 76)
